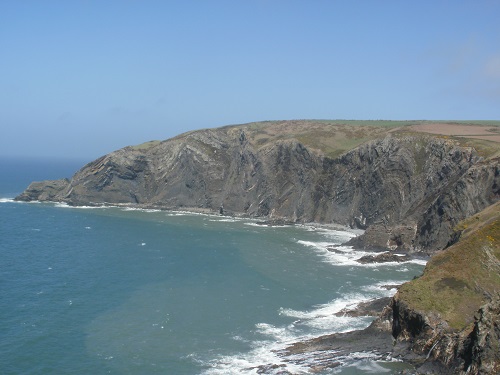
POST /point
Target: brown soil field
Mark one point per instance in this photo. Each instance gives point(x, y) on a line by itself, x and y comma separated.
point(489, 133)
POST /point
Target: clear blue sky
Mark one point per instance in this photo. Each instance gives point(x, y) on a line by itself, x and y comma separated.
point(79, 79)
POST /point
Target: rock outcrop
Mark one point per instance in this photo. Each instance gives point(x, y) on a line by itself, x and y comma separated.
point(448, 320)
point(445, 322)
point(408, 190)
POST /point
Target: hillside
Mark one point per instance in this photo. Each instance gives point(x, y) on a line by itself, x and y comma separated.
point(450, 314)
point(415, 186)
point(408, 187)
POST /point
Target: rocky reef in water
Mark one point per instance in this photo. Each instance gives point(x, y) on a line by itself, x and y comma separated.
point(411, 192)
point(445, 322)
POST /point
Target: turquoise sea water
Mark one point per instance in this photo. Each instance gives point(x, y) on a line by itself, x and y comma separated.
point(120, 291)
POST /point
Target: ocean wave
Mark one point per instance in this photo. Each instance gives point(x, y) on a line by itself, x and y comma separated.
point(348, 256)
point(140, 209)
point(248, 363)
point(308, 324)
point(65, 205)
point(337, 254)
point(225, 220)
point(7, 200)
point(323, 319)
point(264, 226)
point(385, 288)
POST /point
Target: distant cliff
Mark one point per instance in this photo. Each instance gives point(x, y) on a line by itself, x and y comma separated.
point(409, 189)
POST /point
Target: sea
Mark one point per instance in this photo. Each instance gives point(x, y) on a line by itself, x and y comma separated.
point(114, 290)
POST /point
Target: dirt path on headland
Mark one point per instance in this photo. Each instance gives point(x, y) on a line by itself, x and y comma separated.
point(490, 133)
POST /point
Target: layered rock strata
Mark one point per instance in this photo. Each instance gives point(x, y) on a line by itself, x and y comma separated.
point(408, 190)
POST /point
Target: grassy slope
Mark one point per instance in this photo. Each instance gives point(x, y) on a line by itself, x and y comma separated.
point(334, 137)
point(457, 281)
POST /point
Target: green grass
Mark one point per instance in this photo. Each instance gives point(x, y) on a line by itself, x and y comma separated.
point(486, 149)
point(146, 145)
point(457, 281)
point(335, 137)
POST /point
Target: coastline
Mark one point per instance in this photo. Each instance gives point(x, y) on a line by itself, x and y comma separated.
point(319, 353)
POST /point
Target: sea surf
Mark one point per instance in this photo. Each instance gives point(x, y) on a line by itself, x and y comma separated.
point(127, 291)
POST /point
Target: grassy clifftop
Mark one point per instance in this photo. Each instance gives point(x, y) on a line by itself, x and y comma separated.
point(334, 137)
point(460, 279)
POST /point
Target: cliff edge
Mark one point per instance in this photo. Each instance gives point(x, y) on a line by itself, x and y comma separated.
point(413, 186)
point(407, 188)
point(448, 320)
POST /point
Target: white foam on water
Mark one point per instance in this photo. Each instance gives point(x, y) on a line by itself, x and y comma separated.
point(340, 256)
point(381, 285)
point(7, 200)
point(323, 319)
point(225, 220)
point(421, 262)
point(349, 256)
point(336, 231)
point(318, 321)
point(140, 209)
point(264, 226)
point(364, 362)
point(62, 205)
point(65, 205)
point(264, 353)
point(369, 367)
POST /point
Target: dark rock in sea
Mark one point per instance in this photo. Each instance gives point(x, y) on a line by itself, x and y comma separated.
point(334, 250)
point(334, 350)
point(44, 191)
point(369, 308)
point(384, 258)
point(276, 222)
point(272, 369)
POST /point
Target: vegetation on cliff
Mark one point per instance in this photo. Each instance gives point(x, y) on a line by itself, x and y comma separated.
point(463, 277)
point(413, 185)
point(443, 314)
point(391, 176)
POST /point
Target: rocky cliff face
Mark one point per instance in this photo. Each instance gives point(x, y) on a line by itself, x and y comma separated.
point(407, 189)
point(448, 320)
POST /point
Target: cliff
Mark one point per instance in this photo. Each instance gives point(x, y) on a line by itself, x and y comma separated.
point(445, 322)
point(449, 318)
point(408, 188)
point(411, 190)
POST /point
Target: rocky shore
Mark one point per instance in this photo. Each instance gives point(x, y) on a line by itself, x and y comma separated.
point(412, 193)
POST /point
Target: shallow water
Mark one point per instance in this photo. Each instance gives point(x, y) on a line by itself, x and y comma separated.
point(120, 291)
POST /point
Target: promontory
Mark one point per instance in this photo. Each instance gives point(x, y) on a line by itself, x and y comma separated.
point(413, 186)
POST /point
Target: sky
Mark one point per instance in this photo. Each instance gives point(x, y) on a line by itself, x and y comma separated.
point(79, 79)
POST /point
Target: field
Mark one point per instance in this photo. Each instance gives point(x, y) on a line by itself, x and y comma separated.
point(334, 137)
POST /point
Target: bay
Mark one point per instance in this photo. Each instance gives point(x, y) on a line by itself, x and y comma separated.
point(120, 291)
